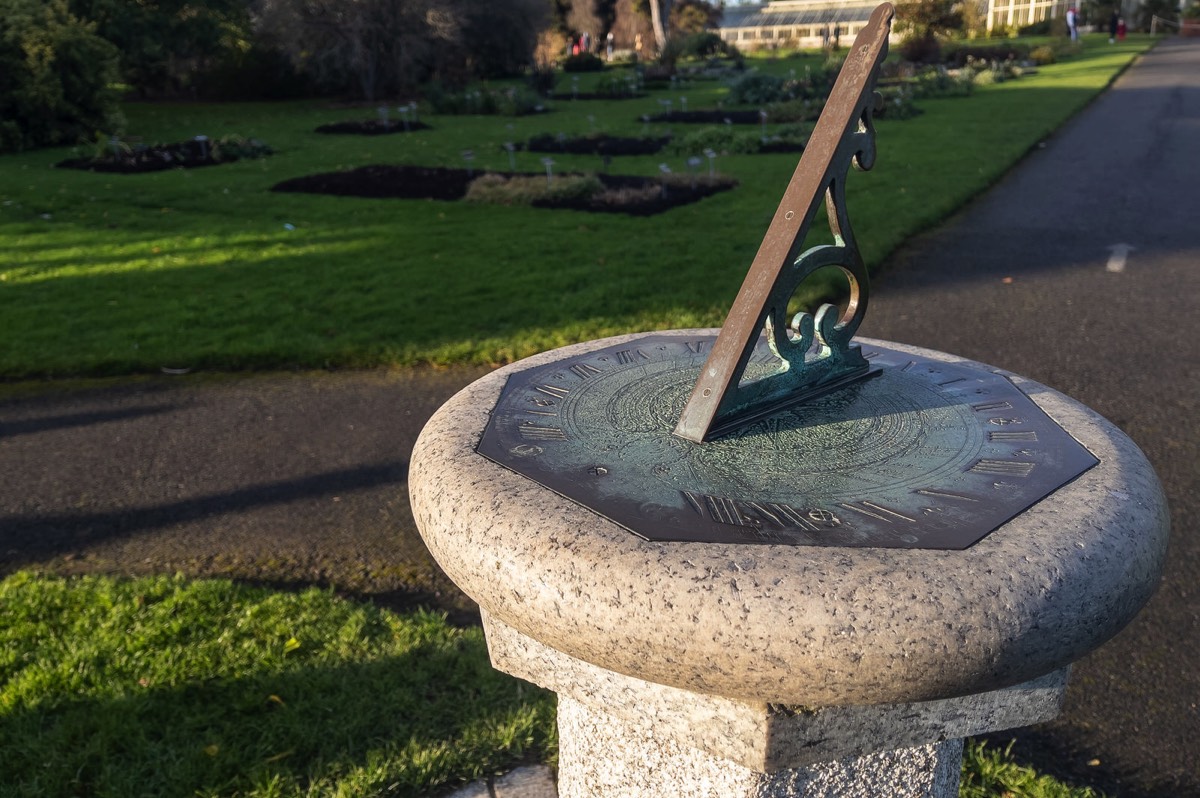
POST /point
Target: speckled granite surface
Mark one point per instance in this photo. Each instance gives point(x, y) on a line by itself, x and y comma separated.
point(796, 625)
point(768, 737)
point(601, 757)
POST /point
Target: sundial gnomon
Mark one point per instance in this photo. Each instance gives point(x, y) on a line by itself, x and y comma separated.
point(782, 430)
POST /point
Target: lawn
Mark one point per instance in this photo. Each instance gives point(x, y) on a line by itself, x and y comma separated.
point(107, 274)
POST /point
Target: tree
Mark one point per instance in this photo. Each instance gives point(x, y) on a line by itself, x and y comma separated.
point(56, 76)
point(927, 19)
point(922, 22)
point(165, 44)
point(671, 17)
point(381, 48)
point(693, 16)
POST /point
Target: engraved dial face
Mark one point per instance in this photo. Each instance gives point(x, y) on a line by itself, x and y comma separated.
point(924, 455)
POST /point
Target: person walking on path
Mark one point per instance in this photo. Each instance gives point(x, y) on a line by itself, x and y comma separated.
point(1112, 26)
point(1073, 23)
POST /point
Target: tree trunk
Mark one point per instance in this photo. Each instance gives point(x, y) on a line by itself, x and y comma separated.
point(659, 10)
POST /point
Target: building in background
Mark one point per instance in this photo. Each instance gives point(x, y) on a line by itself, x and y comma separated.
point(795, 23)
point(1013, 14)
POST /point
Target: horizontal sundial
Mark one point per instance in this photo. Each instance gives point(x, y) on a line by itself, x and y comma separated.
point(784, 430)
point(925, 455)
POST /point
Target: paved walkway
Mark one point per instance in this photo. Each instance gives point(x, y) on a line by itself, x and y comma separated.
point(291, 479)
point(1082, 271)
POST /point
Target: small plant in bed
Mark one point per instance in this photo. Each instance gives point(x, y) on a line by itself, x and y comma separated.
point(597, 144)
point(382, 126)
point(514, 101)
point(629, 194)
point(115, 155)
point(608, 87)
point(725, 140)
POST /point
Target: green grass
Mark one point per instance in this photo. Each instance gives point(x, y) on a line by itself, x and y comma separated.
point(167, 687)
point(119, 274)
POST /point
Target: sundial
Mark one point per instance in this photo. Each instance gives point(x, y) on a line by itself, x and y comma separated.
point(784, 430)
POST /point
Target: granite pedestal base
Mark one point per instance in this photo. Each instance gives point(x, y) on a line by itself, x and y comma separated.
point(601, 756)
point(623, 736)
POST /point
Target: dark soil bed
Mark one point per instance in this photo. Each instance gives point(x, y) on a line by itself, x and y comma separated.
point(600, 144)
point(441, 183)
point(709, 117)
point(371, 127)
point(155, 158)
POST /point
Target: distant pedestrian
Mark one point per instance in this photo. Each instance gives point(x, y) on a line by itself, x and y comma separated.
point(1113, 22)
point(837, 36)
point(1073, 23)
point(637, 46)
point(609, 44)
point(1121, 29)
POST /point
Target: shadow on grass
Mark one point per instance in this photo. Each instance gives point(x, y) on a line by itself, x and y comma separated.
point(415, 725)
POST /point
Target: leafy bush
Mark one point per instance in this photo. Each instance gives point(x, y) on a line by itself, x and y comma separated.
point(799, 110)
point(516, 101)
point(897, 104)
point(704, 45)
point(756, 88)
point(260, 73)
point(937, 83)
point(1041, 28)
point(55, 76)
point(542, 78)
point(698, 46)
point(527, 189)
point(725, 139)
point(583, 62)
point(1042, 55)
point(921, 49)
point(959, 54)
point(616, 86)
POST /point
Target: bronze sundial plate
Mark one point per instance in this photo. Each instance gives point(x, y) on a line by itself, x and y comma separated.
point(925, 455)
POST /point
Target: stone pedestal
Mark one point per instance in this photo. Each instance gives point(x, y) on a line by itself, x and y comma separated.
point(695, 669)
point(603, 757)
point(622, 736)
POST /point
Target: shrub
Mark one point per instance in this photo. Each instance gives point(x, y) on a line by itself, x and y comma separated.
point(527, 189)
point(897, 104)
point(959, 55)
point(937, 83)
point(722, 139)
point(56, 76)
point(921, 49)
point(542, 78)
point(583, 62)
point(756, 88)
point(800, 110)
point(1042, 55)
point(616, 86)
point(516, 101)
point(705, 45)
point(726, 140)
